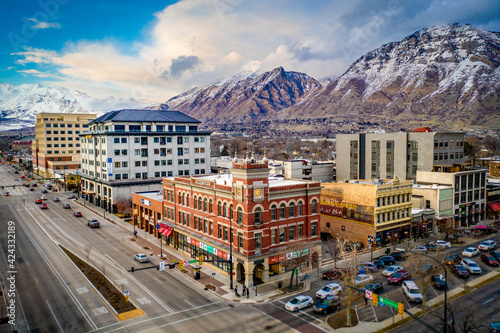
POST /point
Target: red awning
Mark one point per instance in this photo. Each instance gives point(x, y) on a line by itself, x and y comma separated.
point(168, 231)
point(495, 206)
point(161, 230)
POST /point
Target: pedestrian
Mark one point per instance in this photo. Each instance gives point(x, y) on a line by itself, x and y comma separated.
point(236, 291)
point(244, 289)
point(248, 292)
point(135, 234)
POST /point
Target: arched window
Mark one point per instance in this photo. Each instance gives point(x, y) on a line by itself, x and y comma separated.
point(183, 199)
point(195, 202)
point(314, 207)
point(219, 209)
point(282, 211)
point(210, 206)
point(225, 210)
point(299, 209)
point(231, 211)
point(199, 203)
point(179, 198)
point(205, 205)
point(240, 215)
point(258, 215)
point(291, 210)
point(187, 200)
point(273, 212)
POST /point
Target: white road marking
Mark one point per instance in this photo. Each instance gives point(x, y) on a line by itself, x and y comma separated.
point(189, 303)
point(404, 299)
point(57, 321)
point(296, 314)
point(488, 301)
point(36, 281)
point(437, 294)
point(82, 290)
point(100, 311)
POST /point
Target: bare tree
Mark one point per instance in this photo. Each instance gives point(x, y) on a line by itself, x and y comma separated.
point(333, 250)
point(421, 267)
point(297, 258)
point(461, 318)
point(123, 205)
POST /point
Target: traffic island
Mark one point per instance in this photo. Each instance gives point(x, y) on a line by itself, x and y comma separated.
point(339, 319)
point(122, 306)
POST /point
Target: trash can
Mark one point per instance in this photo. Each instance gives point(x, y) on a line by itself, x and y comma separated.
point(197, 273)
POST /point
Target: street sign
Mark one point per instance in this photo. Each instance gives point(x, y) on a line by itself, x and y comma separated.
point(213, 274)
point(157, 227)
point(368, 294)
point(186, 262)
point(162, 266)
point(192, 261)
point(84, 196)
point(388, 302)
point(126, 292)
point(370, 239)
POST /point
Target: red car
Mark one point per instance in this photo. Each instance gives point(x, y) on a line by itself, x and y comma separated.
point(78, 214)
point(399, 277)
point(489, 259)
point(39, 201)
point(44, 206)
point(32, 189)
point(35, 185)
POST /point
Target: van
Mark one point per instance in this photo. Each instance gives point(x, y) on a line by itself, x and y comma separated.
point(411, 292)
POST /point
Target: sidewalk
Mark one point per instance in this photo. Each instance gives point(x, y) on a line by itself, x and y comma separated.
point(151, 246)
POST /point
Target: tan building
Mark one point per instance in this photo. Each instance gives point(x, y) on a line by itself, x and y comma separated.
point(377, 208)
point(389, 155)
point(56, 148)
point(438, 198)
point(495, 169)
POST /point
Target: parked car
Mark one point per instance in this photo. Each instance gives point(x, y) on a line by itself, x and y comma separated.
point(71, 196)
point(32, 189)
point(141, 257)
point(362, 279)
point(411, 292)
point(489, 259)
point(487, 245)
point(431, 247)
point(399, 277)
point(299, 302)
point(370, 267)
point(35, 185)
point(66, 206)
point(7, 194)
point(460, 271)
point(398, 255)
point(442, 244)
point(333, 274)
point(452, 259)
point(330, 289)
point(44, 206)
point(330, 304)
point(378, 263)
point(471, 266)
point(421, 249)
point(44, 191)
point(78, 214)
point(495, 254)
point(376, 288)
point(44, 197)
point(388, 260)
point(56, 199)
point(470, 252)
point(93, 223)
point(438, 281)
point(391, 270)
point(39, 201)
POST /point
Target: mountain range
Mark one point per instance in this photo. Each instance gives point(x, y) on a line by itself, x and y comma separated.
point(447, 77)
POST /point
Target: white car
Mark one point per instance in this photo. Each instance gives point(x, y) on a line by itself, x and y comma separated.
point(421, 249)
point(391, 270)
point(44, 197)
point(299, 302)
point(442, 244)
point(362, 279)
point(487, 245)
point(411, 291)
point(471, 266)
point(141, 257)
point(470, 252)
point(329, 289)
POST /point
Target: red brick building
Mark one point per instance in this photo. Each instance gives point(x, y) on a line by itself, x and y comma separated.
point(270, 218)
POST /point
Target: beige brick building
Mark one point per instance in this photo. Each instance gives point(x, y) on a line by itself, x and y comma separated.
point(357, 209)
point(56, 148)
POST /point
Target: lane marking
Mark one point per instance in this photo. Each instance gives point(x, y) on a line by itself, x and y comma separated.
point(57, 321)
point(189, 303)
point(296, 314)
point(276, 319)
point(488, 301)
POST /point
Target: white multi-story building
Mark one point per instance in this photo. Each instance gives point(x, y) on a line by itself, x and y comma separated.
point(131, 150)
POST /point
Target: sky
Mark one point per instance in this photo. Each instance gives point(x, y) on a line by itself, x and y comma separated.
point(153, 50)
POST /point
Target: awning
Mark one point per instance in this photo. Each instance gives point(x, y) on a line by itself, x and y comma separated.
point(168, 231)
point(495, 206)
point(161, 230)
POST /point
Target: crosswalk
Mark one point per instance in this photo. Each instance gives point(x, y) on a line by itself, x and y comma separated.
point(367, 313)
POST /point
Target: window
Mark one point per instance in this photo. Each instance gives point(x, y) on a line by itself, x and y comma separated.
point(117, 164)
point(124, 152)
point(273, 213)
point(210, 206)
point(314, 207)
point(291, 210)
point(205, 205)
point(300, 231)
point(117, 152)
point(258, 215)
point(226, 235)
point(219, 232)
point(291, 233)
point(282, 235)
point(240, 241)
point(282, 211)
point(314, 229)
point(240, 215)
point(273, 236)
point(299, 209)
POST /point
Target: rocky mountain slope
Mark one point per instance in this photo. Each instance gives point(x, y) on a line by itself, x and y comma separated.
point(245, 97)
point(20, 104)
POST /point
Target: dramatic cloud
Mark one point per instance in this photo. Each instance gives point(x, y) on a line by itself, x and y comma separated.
point(195, 42)
point(43, 25)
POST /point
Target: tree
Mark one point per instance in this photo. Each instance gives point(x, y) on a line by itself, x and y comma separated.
point(419, 266)
point(298, 258)
point(461, 318)
point(123, 205)
point(333, 249)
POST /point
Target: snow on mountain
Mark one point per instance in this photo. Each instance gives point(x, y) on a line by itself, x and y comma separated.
point(20, 104)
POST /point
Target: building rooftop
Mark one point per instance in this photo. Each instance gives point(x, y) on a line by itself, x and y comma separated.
point(274, 181)
point(153, 195)
point(432, 186)
point(145, 116)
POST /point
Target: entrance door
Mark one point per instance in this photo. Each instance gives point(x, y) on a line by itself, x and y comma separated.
point(258, 274)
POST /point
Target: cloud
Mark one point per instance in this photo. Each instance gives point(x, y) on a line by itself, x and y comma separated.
point(195, 42)
point(37, 73)
point(43, 25)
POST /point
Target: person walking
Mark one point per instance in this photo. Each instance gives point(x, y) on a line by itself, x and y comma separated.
point(236, 291)
point(248, 292)
point(244, 289)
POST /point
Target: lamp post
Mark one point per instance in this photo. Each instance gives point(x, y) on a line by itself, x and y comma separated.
point(231, 249)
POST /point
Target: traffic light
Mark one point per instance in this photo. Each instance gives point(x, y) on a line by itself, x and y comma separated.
point(181, 265)
point(3, 187)
point(200, 260)
point(375, 299)
point(401, 309)
point(14, 186)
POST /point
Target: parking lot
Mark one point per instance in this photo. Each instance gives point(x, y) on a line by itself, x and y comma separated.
point(369, 313)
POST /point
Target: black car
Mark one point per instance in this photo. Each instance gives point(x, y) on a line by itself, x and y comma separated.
point(376, 288)
point(379, 263)
point(388, 260)
point(330, 304)
point(460, 271)
point(439, 281)
point(44, 191)
point(398, 255)
point(66, 206)
point(495, 254)
point(452, 260)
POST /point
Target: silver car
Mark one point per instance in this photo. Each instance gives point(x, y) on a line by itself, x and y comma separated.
point(141, 257)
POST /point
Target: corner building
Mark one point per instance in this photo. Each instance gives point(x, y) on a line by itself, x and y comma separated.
point(266, 217)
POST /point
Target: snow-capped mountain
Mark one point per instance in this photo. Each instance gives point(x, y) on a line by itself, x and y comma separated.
point(447, 75)
point(20, 104)
point(245, 96)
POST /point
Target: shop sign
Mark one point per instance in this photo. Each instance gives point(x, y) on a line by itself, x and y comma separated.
point(188, 239)
point(197, 243)
point(289, 255)
point(282, 257)
point(224, 255)
point(215, 251)
point(201, 245)
point(205, 247)
point(273, 260)
point(210, 249)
